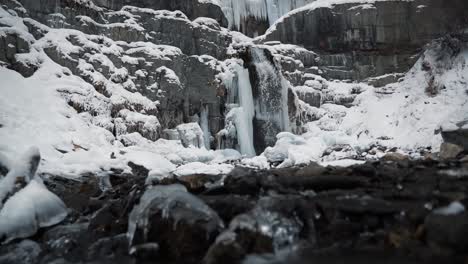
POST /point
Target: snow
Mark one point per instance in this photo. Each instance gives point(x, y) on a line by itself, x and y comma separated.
point(453, 208)
point(406, 119)
point(342, 163)
point(191, 135)
point(202, 168)
point(157, 165)
point(29, 209)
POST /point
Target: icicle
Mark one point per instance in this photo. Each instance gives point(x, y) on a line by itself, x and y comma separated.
point(204, 124)
point(237, 11)
point(242, 110)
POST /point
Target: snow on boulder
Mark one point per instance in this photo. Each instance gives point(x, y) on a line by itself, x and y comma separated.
point(128, 122)
point(21, 173)
point(31, 207)
point(191, 134)
point(208, 22)
point(202, 168)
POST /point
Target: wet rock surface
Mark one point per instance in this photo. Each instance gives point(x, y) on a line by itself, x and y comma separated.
point(405, 210)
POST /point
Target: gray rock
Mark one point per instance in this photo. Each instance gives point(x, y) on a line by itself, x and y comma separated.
point(447, 233)
point(64, 238)
point(181, 224)
point(192, 8)
point(26, 251)
point(449, 151)
point(271, 226)
point(458, 137)
point(372, 41)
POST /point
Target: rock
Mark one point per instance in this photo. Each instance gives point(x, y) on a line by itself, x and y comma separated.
point(26, 251)
point(395, 157)
point(192, 8)
point(383, 80)
point(457, 136)
point(229, 205)
point(130, 122)
point(63, 239)
point(355, 42)
point(191, 135)
point(269, 227)
point(109, 247)
point(446, 234)
point(181, 224)
point(309, 96)
point(449, 151)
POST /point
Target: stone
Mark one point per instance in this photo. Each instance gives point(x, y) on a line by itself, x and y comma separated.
point(192, 8)
point(395, 157)
point(191, 135)
point(458, 137)
point(25, 251)
point(181, 224)
point(268, 228)
point(446, 234)
point(354, 42)
point(449, 151)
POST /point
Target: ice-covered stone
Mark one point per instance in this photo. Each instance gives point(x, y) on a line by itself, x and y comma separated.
point(182, 224)
point(191, 135)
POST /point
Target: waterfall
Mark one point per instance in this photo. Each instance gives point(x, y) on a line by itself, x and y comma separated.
point(257, 103)
point(243, 110)
point(245, 119)
point(271, 104)
point(204, 124)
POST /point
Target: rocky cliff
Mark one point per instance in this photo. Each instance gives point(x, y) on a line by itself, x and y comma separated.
point(357, 41)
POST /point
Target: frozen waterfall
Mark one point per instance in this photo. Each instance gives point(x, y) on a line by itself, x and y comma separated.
point(268, 10)
point(243, 113)
point(271, 104)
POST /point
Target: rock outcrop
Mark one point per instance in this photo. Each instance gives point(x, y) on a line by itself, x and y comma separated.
point(192, 8)
point(357, 40)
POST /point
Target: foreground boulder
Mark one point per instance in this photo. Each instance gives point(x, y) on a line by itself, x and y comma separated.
point(173, 223)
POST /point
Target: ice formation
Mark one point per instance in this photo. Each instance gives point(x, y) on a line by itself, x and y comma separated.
point(240, 91)
point(267, 10)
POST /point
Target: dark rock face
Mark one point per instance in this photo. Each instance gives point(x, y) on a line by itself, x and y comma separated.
point(458, 137)
point(357, 42)
point(192, 8)
point(26, 251)
point(12, 44)
point(445, 233)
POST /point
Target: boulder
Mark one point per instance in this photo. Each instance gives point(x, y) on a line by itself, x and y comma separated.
point(457, 136)
point(25, 251)
point(271, 226)
point(181, 224)
point(449, 151)
point(445, 231)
